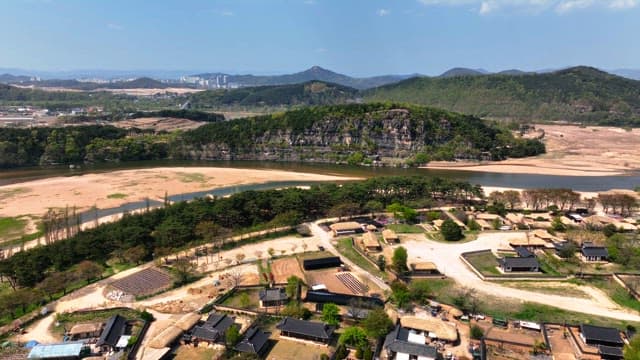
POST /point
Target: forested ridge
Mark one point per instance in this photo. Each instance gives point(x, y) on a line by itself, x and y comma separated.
point(579, 94)
point(343, 133)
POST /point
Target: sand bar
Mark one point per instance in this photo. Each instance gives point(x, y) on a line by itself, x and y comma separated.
point(106, 190)
point(571, 151)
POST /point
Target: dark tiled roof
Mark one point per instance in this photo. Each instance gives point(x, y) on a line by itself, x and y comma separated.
point(610, 351)
point(306, 328)
point(523, 252)
point(215, 327)
point(205, 333)
point(253, 342)
point(595, 251)
point(112, 331)
point(519, 262)
point(219, 322)
point(397, 341)
point(321, 263)
point(593, 333)
point(273, 294)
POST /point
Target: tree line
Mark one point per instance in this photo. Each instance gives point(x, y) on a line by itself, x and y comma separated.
point(159, 232)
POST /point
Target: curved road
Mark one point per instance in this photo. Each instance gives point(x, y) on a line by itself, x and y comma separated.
point(447, 258)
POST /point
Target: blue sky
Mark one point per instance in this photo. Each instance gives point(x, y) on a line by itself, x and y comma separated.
point(356, 37)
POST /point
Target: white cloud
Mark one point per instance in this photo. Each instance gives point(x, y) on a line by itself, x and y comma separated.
point(485, 7)
point(382, 12)
point(623, 4)
point(309, 2)
point(569, 5)
point(321, 50)
point(226, 13)
point(113, 26)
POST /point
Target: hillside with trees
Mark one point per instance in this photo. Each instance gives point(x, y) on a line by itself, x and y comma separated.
point(354, 134)
point(579, 94)
point(308, 93)
point(357, 133)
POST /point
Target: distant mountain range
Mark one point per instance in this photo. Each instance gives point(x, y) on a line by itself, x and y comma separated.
point(575, 94)
point(315, 73)
point(225, 80)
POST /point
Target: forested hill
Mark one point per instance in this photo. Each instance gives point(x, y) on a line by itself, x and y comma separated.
point(309, 93)
point(356, 133)
point(581, 94)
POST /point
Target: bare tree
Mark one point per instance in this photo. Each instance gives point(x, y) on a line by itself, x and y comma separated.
point(236, 277)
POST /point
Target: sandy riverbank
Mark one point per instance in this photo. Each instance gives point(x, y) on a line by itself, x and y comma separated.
point(571, 151)
point(106, 190)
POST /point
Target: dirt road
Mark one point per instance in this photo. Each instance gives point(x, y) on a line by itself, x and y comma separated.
point(447, 258)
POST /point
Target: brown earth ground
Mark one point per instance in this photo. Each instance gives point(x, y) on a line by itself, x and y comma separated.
point(282, 269)
point(159, 124)
point(112, 189)
point(571, 151)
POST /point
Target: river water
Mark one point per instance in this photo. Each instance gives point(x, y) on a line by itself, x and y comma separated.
point(579, 183)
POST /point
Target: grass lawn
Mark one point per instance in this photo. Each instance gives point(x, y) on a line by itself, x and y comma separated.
point(559, 288)
point(286, 349)
point(446, 291)
point(246, 299)
point(117, 196)
point(196, 353)
point(614, 290)
point(405, 228)
point(485, 262)
point(12, 227)
point(345, 247)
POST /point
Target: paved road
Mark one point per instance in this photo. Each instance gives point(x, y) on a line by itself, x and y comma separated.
point(447, 258)
point(325, 240)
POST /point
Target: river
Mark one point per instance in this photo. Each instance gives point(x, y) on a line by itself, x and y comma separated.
point(579, 183)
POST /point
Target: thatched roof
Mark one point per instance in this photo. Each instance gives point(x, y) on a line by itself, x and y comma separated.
point(531, 241)
point(424, 266)
point(345, 226)
point(488, 217)
point(542, 234)
point(515, 218)
point(388, 234)
point(85, 328)
point(442, 330)
point(166, 337)
point(456, 313)
point(188, 321)
point(370, 239)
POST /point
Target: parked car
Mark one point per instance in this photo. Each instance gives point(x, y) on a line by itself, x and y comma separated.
point(320, 247)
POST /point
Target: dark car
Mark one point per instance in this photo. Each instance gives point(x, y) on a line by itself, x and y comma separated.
point(320, 247)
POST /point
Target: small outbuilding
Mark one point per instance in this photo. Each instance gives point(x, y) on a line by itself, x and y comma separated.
point(273, 297)
point(519, 264)
point(424, 268)
point(346, 228)
point(111, 333)
point(254, 342)
point(85, 331)
point(322, 263)
point(599, 335)
point(370, 242)
point(66, 351)
point(591, 252)
point(390, 236)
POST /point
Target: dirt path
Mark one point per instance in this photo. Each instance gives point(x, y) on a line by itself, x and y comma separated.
point(447, 258)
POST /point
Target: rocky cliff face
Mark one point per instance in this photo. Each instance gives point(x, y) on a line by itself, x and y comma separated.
point(388, 133)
